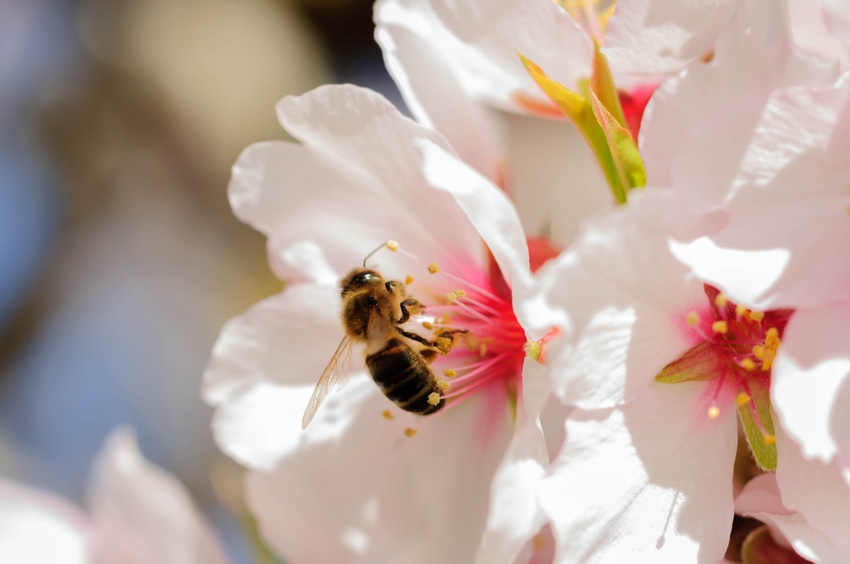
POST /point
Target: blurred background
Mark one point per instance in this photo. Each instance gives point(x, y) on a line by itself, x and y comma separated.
point(119, 256)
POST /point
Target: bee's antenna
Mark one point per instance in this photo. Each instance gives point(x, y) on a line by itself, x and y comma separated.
point(391, 245)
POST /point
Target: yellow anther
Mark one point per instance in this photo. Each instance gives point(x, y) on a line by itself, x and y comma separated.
point(533, 349)
point(450, 297)
point(392, 245)
point(434, 398)
point(433, 268)
point(444, 344)
point(387, 414)
point(720, 300)
point(742, 399)
point(460, 293)
point(759, 351)
point(692, 319)
point(748, 364)
point(444, 320)
point(769, 439)
point(713, 412)
point(449, 373)
point(482, 350)
point(740, 310)
point(756, 316)
point(771, 338)
point(443, 385)
point(409, 432)
point(408, 280)
point(428, 325)
point(720, 327)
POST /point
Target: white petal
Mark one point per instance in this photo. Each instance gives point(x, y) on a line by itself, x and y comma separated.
point(819, 492)
point(357, 181)
point(817, 31)
point(553, 177)
point(376, 495)
point(483, 44)
point(760, 499)
point(487, 207)
point(418, 55)
point(655, 37)
point(625, 299)
point(648, 482)
point(36, 527)
point(696, 130)
point(837, 16)
point(810, 384)
point(796, 154)
point(515, 515)
point(133, 499)
point(287, 338)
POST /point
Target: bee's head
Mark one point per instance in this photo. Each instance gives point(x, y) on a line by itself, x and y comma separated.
point(359, 279)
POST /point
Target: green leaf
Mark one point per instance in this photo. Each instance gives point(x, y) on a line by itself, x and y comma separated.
point(579, 111)
point(624, 150)
point(760, 548)
point(699, 364)
point(603, 84)
point(754, 410)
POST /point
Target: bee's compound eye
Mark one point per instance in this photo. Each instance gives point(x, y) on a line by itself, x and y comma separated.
point(363, 278)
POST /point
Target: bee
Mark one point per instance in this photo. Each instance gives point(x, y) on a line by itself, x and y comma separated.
point(372, 314)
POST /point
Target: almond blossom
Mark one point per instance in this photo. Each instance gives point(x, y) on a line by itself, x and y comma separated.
point(138, 514)
point(807, 132)
point(657, 362)
point(367, 481)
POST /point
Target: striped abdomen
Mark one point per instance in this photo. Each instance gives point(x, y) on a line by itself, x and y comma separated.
point(404, 377)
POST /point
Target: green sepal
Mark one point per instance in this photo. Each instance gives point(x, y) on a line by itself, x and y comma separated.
point(758, 424)
point(760, 548)
point(598, 116)
point(624, 150)
point(699, 364)
point(603, 84)
point(581, 114)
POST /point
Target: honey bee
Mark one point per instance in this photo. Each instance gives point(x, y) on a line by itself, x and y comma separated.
point(373, 311)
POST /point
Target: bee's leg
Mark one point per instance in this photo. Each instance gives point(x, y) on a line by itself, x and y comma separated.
point(409, 306)
point(442, 344)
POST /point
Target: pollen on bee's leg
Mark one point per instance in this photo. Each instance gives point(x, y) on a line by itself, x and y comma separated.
point(409, 432)
point(434, 398)
point(387, 414)
point(428, 325)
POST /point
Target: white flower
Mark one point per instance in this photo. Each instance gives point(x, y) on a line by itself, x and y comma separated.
point(138, 514)
point(367, 481)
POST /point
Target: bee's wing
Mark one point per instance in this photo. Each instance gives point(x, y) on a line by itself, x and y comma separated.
point(330, 378)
